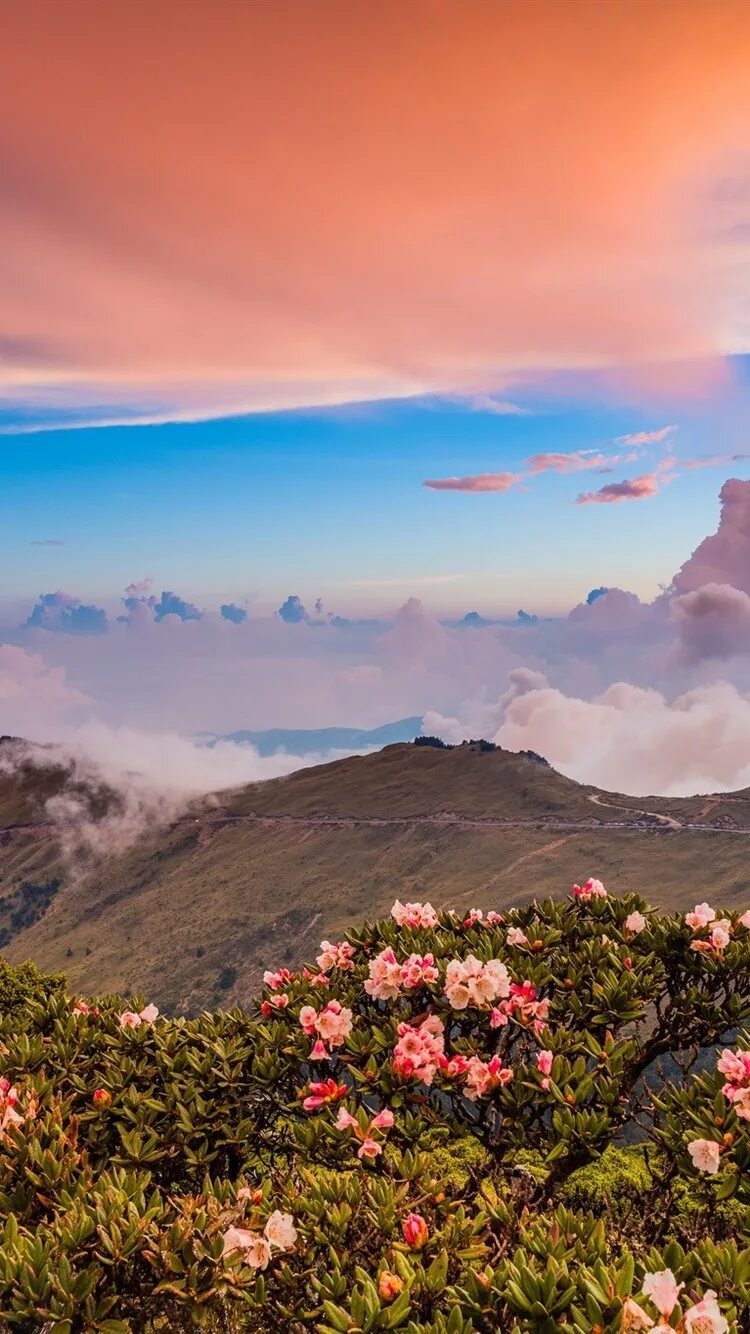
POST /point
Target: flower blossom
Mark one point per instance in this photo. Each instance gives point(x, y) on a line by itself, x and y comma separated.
point(473, 916)
point(471, 982)
point(278, 1001)
point(9, 1109)
point(384, 982)
point(414, 914)
point(369, 1146)
point(705, 1155)
point(719, 937)
point(593, 889)
point(418, 970)
point(635, 923)
point(544, 1061)
point(705, 1317)
point(419, 1050)
point(321, 1093)
point(415, 1231)
point(515, 936)
point(339, 956)
point(279, 1234)
point(128, 1019)
point(278, 979)
point(484, 1076)
point(744, 920)
point(736, 1066)
point(331, 1026)
point(634, 1317)
point(663, 1289)
point(80, 1007)
point(497, 919)
point(523, 1006)
point(701, 915)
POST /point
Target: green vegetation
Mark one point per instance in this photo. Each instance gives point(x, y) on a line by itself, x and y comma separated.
point(423, 1131)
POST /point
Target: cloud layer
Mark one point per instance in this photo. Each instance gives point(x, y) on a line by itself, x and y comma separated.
point(407, 245)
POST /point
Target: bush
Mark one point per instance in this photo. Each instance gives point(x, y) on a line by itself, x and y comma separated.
point(424, 1130)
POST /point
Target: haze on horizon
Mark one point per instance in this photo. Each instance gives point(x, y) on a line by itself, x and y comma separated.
point(323, 327)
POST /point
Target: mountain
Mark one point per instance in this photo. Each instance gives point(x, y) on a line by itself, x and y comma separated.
point(320, 740)
point(192, 912)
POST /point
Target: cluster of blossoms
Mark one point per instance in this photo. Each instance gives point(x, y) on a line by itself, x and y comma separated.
point(706, 1153)
point(278, 979)
point(388, 976)
point(128, 1019)
point(523, 1006)
point(471, 982)
point(80, 1007)
point(663, 1291)
point(484, 1076)
point(330, 1027)
point(368, 1145)
point(703, 917)
point(420, 1050)
point(736, 1066)
point(339, 955)
point(414, 914)
point(476, 915)
point(10, 1111)
point(593, 889)
point(256, 1249)
point(321, 1093)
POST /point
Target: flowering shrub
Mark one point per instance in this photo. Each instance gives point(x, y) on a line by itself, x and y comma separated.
point(424, 1130)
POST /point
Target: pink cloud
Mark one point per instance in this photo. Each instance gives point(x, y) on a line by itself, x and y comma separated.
point(724, 557)
point(647, 437)
point(637, 488)
point(483, 481)
point(580, 460)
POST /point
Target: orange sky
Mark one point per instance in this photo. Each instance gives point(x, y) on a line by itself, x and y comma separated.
point(210, 205)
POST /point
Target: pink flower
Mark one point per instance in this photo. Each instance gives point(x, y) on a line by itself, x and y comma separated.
point(516, 936)
point(9, 1116)
point(419, 1050)
point(544, 1062)
point(415, 1231)
point(280, 1232)
point(308, 1017)
point(418, 970)
point(339, 956)
point(322, 1093)
point(484, 1076)
point(473, 916)
point(720, 935)
point(129, 1020)
point(497, 919)
point(384, 982)
point(255, 1250)
point(369, 1148)
point(345, 1120)
point(277, 979)
point(735, 1065)
point(149, 1014)
point(384, 1120)
point(635, 923)
point(744, 920)
point(705, 1317)
point(414, 914)
point(663, 1289)
point(471, 982)
point(319, 1051)
point(705, 1155)
point(634, 1317)
point(593, 889)
point(701, 915)
point(334, 1024)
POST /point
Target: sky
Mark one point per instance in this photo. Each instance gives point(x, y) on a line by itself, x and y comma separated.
point(323, 327)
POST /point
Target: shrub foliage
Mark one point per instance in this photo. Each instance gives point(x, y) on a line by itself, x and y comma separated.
point(446, 1123)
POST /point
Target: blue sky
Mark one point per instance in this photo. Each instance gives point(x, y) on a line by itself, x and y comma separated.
point(331, 503)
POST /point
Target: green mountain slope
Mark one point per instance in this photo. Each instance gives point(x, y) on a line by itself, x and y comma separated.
point(192, 913)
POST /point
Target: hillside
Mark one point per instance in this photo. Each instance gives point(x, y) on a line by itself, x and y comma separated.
point(193, 912)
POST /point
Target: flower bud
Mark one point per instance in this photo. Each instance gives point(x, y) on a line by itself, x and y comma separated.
point(101, 1097)
point(389, 1285)
point(416, 1232)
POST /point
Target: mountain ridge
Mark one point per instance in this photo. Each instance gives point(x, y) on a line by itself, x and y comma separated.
point(254, 876)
